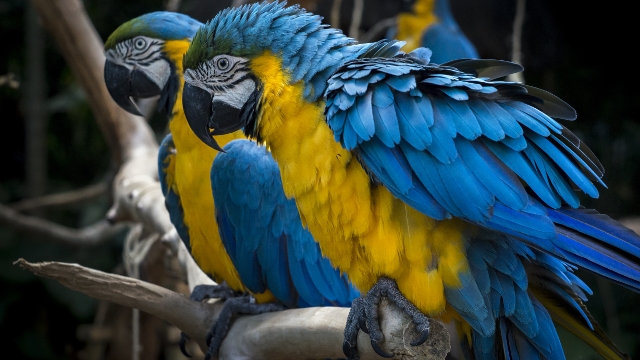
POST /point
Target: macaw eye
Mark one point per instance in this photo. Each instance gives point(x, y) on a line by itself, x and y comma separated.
point(139, 44)
point(223, 63)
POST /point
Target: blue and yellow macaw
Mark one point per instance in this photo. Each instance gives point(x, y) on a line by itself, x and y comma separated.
point(431, 24)
point(429, 183)
point(229, 209)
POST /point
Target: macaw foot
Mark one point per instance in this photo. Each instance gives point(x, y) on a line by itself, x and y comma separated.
point(203, 292)
point(364, 315)
point(237, 305)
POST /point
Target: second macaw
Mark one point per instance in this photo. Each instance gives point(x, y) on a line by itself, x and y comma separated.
point(230, 209)
point(446, 191)
point(431, 24)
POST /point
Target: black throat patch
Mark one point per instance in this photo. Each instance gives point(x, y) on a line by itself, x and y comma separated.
point(250, 110)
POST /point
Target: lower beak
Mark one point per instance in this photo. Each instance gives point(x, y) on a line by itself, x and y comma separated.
point(118, 81)
point(197, 108)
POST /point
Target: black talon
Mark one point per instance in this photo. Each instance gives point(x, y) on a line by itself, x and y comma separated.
point(364, 315)
point(208, 337)
point(222, 291)
point(423, 337)
point(203, 292)
point(379, 351)
point(183, 341)
point(234, 305)
point(362, 323)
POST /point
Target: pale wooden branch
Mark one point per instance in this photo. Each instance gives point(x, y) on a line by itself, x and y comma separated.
point(237, 3)
point(377, 29)
point(291, 334)
point(65, 199)
point(195, 276)
point(172, 5)
point(356, 19)
point(335, 13)
point(516, 40)
point(632, 223)
point(137, 193)
point(92, 235)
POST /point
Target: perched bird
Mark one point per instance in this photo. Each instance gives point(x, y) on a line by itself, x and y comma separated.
point(431, 24)
point(448, 192)
point(230, 209)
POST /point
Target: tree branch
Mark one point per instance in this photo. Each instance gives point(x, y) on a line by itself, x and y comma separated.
point(291, 334)
point(69, 198)
point(91, 235)
point(356, 19)
point(377, 29)
point(79, 43)
point(335, 13)
point(137, 193)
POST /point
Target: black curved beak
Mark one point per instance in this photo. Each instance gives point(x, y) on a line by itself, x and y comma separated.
point(118, 80)
point(124, 83)
point(197, 108)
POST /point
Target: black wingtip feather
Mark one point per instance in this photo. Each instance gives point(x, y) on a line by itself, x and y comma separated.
point(383, 48)
point(485, 68)
point(574, 143)
point(551, 104)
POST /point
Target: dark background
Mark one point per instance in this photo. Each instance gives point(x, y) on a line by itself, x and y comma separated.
point(583, 53)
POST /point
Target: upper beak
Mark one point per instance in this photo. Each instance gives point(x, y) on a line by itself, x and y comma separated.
point(118, 80)
point(197, 108)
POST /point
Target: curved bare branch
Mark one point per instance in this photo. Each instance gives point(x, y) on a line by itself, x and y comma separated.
point(291, 334)
point(91, 235)
point(69, 198)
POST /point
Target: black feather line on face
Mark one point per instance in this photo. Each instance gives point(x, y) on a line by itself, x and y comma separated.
point(250, 110)
point(169, 93)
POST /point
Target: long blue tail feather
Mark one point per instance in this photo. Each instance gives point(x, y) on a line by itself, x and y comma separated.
point(600, 226)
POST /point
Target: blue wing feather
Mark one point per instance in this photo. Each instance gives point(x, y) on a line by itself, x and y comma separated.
point(483, 151)
point(263, 234)
point(166, 155)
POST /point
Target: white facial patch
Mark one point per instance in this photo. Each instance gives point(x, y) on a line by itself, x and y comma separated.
point(237, 95)
point(158, 72)
point(113, 56)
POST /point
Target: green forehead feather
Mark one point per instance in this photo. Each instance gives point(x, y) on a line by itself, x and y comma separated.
point(163, 25)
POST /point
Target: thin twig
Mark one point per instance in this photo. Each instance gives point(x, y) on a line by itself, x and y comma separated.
point(356, 19)
point(335, 13)
point(33, 104)
point(236, 3)
point(92, 235)
point(516, 40)
point(377, 29)
point(69, 198)
point(172, 5)
point(292, 334)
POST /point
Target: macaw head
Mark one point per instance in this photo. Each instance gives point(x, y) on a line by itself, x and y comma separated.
point(223, 90)
point(144, 58)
